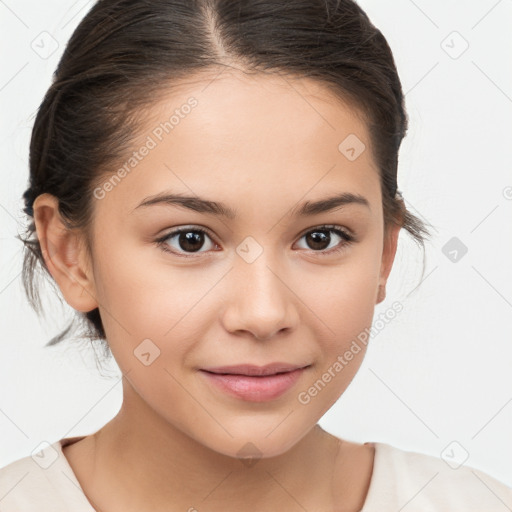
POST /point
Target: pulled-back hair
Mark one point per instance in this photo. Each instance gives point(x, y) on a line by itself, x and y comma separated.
point(125, 53)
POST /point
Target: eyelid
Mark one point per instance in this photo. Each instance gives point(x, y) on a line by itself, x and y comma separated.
point(319, 227)
point(188, 227)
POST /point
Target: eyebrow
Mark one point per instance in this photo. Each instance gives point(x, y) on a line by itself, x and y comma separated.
point(198, 204)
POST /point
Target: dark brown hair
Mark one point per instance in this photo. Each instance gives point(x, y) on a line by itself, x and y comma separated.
point(124, 53)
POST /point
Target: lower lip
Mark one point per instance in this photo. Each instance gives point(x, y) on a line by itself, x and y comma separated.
point(252, 388)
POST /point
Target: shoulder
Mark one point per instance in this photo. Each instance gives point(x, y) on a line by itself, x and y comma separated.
point(42, 481)
point(428, 482)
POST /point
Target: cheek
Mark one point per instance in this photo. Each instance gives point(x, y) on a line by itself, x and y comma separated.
point(142, 299)
point(348, 316)
point(344, 296)
point(344, 303)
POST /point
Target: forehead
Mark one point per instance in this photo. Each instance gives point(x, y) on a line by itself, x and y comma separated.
point(258, 136)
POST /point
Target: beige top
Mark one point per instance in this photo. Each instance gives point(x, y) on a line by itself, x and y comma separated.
point(401, 480)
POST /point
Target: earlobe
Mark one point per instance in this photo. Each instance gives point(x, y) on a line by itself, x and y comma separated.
point(381, 293)
point(63, 255)
point(388, 257)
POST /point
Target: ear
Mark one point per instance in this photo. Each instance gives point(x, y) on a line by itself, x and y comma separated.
point(388, 256)
point(64, 254)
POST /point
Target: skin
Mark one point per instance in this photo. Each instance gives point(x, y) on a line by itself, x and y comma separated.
point(262, 145)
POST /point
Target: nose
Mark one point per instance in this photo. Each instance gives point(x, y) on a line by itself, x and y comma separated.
point(261, 301)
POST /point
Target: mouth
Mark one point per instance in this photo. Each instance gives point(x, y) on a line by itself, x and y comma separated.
point(250, 370)
point(255, 383)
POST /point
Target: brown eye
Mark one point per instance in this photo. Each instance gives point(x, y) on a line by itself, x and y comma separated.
point(185, 240)
point(317, 239)
point(322, 241)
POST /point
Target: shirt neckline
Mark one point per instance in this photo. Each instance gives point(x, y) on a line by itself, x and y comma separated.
point(64, 467)
point(370, 495)
point(372, 492)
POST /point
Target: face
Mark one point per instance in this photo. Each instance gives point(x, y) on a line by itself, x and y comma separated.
point(257, 275)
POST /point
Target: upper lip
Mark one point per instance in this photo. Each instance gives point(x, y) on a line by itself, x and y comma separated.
point(251, 369)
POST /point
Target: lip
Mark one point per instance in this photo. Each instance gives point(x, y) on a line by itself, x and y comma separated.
point(251, 369)
point(254, 383)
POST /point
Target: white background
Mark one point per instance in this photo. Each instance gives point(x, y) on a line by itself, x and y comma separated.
point(442, 369)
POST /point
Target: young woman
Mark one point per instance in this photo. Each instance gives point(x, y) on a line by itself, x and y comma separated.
point(213, 186)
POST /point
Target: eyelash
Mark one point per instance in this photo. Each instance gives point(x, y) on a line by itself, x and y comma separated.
point(345, 235)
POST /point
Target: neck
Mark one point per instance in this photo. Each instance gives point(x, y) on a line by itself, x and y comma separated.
point(141, 462)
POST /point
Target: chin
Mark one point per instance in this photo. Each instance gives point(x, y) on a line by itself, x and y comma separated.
point(251, 443)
